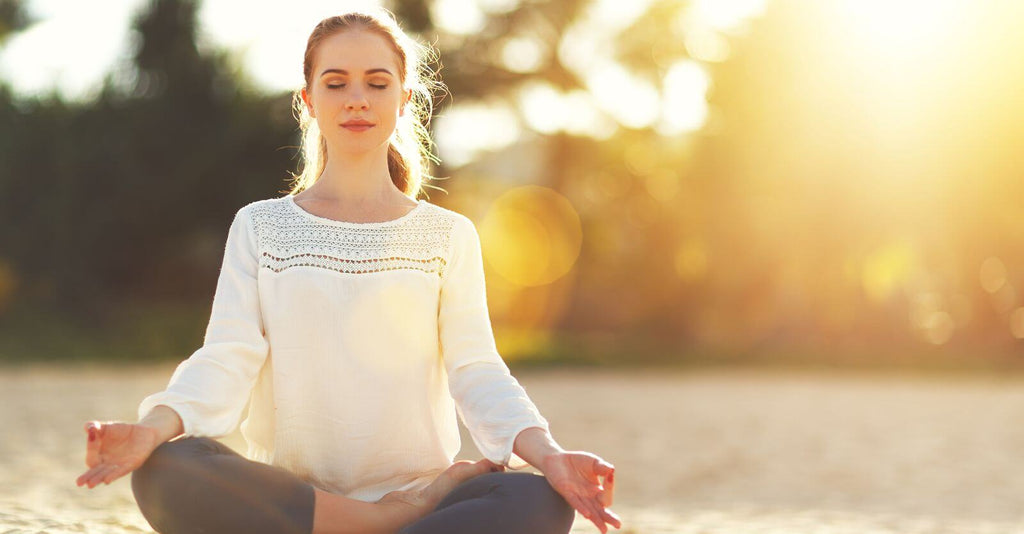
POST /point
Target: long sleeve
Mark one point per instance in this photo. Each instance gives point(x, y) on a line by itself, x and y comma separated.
point(210, 389)
point(489, 400)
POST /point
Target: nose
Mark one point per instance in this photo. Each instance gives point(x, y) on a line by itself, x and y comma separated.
point(357, 100)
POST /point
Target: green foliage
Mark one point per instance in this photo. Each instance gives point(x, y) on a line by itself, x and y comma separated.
point(130, 333)
point(130, 196)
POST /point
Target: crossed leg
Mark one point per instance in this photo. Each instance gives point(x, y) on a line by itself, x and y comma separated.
point(499, 503)
point(200, 485)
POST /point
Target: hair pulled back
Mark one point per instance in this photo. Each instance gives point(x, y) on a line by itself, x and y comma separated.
point(409, 149)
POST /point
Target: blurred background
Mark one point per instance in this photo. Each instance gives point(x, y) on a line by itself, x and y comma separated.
point(668, 181)
point(666, 184)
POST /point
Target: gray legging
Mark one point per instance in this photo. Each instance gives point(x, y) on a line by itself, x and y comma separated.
point(194, 485)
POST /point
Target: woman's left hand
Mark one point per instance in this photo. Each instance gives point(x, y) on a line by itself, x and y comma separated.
point(575, 475)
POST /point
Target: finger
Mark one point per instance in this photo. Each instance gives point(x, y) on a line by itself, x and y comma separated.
point(584, 487)
point(593, 513)
point(611, 518)
point(93, 477)
point(84, 478)
point(608, 494)
point(603, 468)
point(599, 516)
point(102, 475)
point(101, 472)
point(117, 473)
point(81, 478)
point(577, 503)
point(590, 472)
point(581, 506)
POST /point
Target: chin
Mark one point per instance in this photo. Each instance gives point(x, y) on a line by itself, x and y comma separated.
point(363, 146)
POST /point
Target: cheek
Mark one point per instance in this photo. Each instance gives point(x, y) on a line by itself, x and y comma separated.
point(320, 103)
point(389, 102)
point(332, 99)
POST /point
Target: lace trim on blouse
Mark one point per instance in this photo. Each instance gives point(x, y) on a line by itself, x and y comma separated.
point(287, 237)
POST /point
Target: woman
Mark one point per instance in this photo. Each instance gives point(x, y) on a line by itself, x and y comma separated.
point(353, 321)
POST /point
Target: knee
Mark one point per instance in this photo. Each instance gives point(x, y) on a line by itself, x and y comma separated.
point(166, 460)
point(546, 509)
point(158, 481)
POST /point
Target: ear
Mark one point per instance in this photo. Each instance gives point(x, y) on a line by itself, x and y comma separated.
point(405, 101)
point(309, 105)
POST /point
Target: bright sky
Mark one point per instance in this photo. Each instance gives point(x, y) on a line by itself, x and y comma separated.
point(75, 43)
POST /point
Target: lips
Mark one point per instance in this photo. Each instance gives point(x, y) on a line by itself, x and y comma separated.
point(357, 125)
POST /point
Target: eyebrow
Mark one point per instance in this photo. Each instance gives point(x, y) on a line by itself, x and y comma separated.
point(345, 72)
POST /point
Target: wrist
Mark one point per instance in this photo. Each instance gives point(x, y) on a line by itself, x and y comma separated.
point(548, 459)
point(163, 422)
point(151, 435)
point(535, 446)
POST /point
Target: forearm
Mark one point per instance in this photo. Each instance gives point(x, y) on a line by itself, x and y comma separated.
point(165, 421)
point(534, 444)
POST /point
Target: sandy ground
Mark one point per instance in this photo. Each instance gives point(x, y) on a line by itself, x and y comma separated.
point(695, 452)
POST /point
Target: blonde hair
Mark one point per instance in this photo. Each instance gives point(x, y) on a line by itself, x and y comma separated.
point(409, 151)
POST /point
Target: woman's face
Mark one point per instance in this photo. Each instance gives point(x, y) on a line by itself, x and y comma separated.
point(355, 77)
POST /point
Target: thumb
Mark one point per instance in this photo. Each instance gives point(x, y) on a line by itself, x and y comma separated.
point(94, 429)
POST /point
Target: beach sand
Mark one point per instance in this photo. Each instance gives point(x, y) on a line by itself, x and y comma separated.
point(715, 451)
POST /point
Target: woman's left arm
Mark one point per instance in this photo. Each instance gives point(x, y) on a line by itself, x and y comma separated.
point(501, 418)
point(490, 401)
point(585, 481)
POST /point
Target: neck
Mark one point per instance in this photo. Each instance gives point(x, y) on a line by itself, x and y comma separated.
point(357, 178)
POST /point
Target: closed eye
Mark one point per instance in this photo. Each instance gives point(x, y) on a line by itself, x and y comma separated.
point(338, 86)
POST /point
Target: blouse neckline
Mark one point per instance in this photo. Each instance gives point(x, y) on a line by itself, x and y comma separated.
point(290, 199)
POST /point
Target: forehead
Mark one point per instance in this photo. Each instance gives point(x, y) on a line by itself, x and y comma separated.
point(355, 51)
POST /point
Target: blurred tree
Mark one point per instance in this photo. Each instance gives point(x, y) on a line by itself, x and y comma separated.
point(628, 232)
point(13, 18)
point(128, 197)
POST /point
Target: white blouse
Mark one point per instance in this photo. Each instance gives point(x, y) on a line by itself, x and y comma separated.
point(355, 346)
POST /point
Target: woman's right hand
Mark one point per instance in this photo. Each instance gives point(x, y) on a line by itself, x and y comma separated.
point(115, 449)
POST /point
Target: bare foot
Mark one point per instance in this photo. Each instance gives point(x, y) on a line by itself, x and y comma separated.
point(426, 499)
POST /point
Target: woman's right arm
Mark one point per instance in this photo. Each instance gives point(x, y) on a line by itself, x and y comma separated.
point(208, 390)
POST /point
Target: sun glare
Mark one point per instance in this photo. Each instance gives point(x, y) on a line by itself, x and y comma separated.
point(896, 30)
point(457, 16)
point(532, 236)
point(631, 100)
point(686, 107)
point(460, 138)
point(725, 15)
